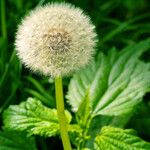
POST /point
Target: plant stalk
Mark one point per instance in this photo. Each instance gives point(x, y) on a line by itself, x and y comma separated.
point(61, 114)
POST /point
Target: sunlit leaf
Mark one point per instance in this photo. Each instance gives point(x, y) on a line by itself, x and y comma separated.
point(118, 139)
point(33, 117)
point(115, 83)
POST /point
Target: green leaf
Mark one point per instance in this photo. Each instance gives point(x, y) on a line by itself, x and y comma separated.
point(33, 117)
point(83, 112)
point(13, 140)
point(115, 83)
point(111, 138)
point(75, 133)
point(100, 121)
point(39, 96)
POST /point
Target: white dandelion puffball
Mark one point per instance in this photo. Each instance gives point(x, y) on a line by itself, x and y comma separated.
point(56, 40)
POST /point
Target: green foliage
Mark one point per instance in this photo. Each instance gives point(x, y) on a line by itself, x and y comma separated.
point(33, 117)
point(13, 140)
point(140, 121)
point(83, 113)
point(40, 92)
point(118, 23)
point(118, 139)
point(115, 83)
point(112, 85)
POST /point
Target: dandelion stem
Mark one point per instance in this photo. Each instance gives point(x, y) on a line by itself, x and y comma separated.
point(61, 114)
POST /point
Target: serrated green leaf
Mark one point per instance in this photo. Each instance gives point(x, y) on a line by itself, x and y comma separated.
point(74, 133)
point(100, 121)
point(33, 117)
point(79, 84)
point(111, 138)
point(115, 83)
point(83, 112)
point(13, 140)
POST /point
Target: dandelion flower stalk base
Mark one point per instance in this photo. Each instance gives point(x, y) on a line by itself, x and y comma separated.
point(61, 114)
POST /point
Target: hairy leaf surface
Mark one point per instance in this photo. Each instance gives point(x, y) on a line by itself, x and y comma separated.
point(115, 83)
point(118, 139)
point(33, 117)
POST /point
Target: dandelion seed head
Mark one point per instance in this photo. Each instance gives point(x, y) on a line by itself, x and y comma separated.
point(56, 40)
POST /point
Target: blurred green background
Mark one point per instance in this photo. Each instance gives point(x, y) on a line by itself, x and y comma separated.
point(118, 23)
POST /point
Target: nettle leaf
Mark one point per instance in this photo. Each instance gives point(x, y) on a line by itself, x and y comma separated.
point(13, 140)
point(83, 112)
point(75, 132)
point(115, 83)
point(100, 121)
point(119, 139)
point(33, 117)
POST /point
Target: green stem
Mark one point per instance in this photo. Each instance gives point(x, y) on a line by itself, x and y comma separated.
point(61, 114)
